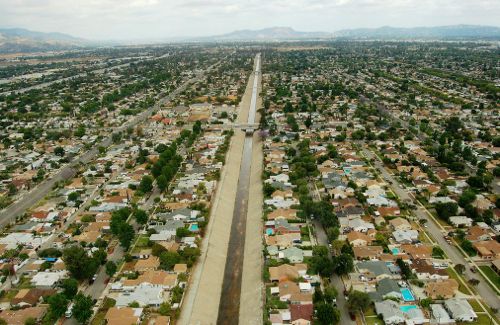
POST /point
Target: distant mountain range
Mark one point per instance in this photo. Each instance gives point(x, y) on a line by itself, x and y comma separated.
point(13, 40)
point(267, 34)
point(439, 32)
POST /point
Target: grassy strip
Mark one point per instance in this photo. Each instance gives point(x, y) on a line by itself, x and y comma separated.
point(455, 276)
point(495, 278)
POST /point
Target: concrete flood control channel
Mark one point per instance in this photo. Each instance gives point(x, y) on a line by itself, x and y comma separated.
point(229, 305)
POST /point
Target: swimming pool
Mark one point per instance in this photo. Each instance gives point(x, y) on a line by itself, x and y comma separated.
point(407, 308)
point(407, 295)
point(269, 231)
point(193, 227)
point(395, 251)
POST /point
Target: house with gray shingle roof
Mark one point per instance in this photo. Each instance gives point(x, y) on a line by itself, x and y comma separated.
point(386, 288)
point(390, 312)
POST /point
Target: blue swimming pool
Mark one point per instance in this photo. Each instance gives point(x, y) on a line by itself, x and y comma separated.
point(193, 227)
point(269, 231)
point(407, 295)
point(395, 251)
point(407, 308)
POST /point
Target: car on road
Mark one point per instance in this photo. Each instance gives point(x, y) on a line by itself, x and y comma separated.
point(69, 311)
point(93, 279)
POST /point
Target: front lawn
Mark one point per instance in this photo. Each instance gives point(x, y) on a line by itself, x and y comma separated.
point(482, 319)
point(455, 276)
point(492, 275)
point(99, 318)
point(475, 305)
point(373, 320)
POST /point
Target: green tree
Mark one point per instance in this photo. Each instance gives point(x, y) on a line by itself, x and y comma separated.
point(141, 216)
point(59, 151)
point(182, 232)
point(146, 184)
point(111, 268)
point(460, 268)
point(358, 301)
point(100, 256)
point(406, 272)
point(82, 309)
point(78, 263)
point(446, 210)
point(468, 196)
point(126, 235)
point(80, 131)
point(162, 182)
point(70, 287)
point(326, 314)
point(73, 196)
point(343, 264)
point(426, 302)
point(30, 321)
point(165, 309)
point(453, 125)
point(169, 259)
point(58, 303)
point(330, 294)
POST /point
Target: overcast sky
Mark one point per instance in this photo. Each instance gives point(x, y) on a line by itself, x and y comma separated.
point(158, 19)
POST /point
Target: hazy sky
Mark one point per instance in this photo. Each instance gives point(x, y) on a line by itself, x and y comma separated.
point(156, 19)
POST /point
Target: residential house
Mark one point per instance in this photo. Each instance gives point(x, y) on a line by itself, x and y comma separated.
point(424, 270)
point(400, 224)
point(149, 264)
point(489, 249)
point(356, 239)
point(461, 221)
point(289, 214)
point(293, 254)
point(367, 252)
point(418, 251)
point(123, 316)
point(159, 278)
point(478, 233)
point(287, 272)
point(48, 279)
point(283, 241)
point(282, 226)
point(443, 289)
point(460, 310)
point(390, 312)
point(405, 236)
point(374, 269)
point(388, 211)
point(286, 289)
point(440, 315)
point(302, 312)
point(145, 294)
point(19, 317)
point(386, 288)
point(30, 297)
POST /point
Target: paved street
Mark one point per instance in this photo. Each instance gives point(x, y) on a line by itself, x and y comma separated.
point(322, 239)
point(436, 231)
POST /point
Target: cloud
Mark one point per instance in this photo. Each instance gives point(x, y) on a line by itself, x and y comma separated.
point(121, 19)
